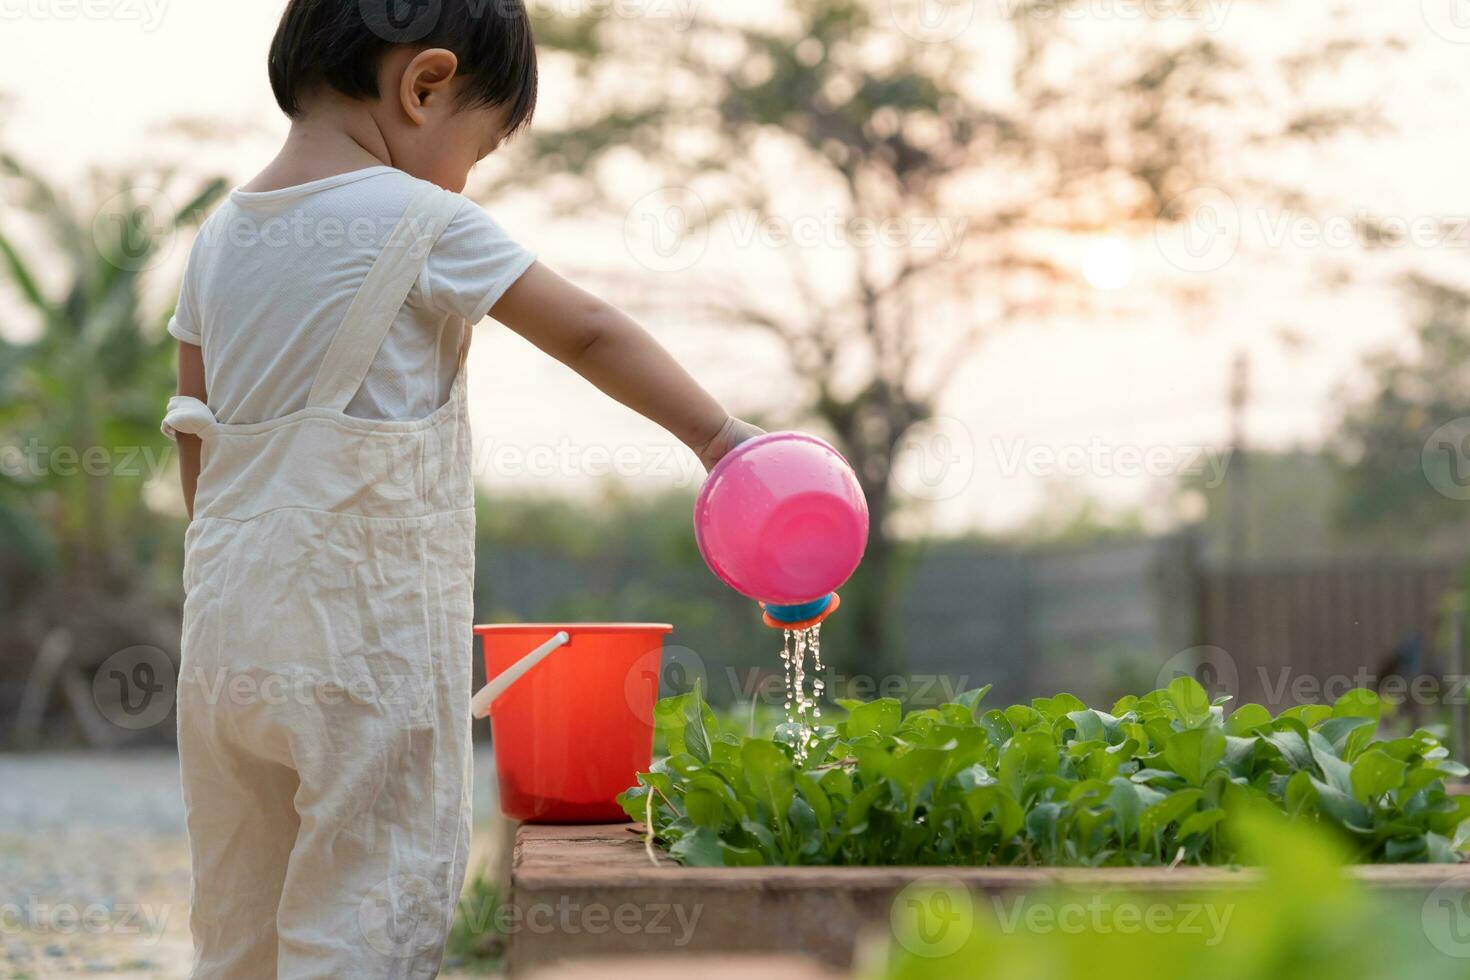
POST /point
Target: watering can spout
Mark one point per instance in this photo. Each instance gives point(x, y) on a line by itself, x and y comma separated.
point(801, 615)
point(480, 703)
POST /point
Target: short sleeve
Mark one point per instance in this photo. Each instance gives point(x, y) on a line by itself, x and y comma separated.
point(184, 324)
point(472, 266)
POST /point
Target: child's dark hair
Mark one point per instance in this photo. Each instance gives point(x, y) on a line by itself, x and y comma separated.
point(341, 43)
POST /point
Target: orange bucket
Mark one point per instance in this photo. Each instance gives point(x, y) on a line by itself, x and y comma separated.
point(577, 728)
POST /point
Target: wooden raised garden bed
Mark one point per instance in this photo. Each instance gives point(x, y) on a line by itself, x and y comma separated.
point(592, 892)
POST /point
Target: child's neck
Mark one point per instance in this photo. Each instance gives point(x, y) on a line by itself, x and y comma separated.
point(331, 136)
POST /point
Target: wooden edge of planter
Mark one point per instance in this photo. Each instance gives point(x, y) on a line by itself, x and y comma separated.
point(591, 893)
point(613, 856)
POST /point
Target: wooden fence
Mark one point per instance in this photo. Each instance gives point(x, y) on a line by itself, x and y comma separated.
point(1110, 618)
point(1303, 633)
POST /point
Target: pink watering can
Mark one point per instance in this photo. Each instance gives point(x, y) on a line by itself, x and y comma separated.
point(782, 520)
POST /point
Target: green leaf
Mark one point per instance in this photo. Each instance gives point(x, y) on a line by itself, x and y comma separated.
point(696, 739)
point(997, 727)
point(769, 775)
point(1194, 752)
point(1090, 725)
point(1127, 806)
point(1200, 822)
point(1337, 772)
point(1359, 703)
point(1339, 732)
point(1341, 807)
point(1024, 756)
point(880, 717)
point(1171, 808)
point(25, 281)
point(1057, 707)
point(1292, 746)
point(700, 849)
point(1246, 719)
point(862, 802)
point(704, 808)
point(1190, 701)
point(811, 791)
point(1376, 773)
point(971, 699)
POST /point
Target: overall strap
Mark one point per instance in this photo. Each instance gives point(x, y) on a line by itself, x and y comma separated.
point(363, 330)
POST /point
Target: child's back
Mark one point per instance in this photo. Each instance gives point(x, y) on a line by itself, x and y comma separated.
point(274, 272)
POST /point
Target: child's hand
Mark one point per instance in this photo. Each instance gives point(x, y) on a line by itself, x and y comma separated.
point(733, 434)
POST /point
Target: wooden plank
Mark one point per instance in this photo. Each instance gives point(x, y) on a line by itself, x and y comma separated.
point(563, 875)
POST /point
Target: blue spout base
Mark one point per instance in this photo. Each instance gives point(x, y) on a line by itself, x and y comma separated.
point(800, 616)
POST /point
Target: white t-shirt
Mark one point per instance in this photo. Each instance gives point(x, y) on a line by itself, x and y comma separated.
point(272, 274)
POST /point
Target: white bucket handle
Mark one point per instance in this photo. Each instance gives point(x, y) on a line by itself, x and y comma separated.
point(480, 703)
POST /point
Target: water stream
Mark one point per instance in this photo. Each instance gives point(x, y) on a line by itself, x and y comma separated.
point(803, 701)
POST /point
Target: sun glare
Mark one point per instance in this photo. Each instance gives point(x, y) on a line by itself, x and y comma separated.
point(1108, 264)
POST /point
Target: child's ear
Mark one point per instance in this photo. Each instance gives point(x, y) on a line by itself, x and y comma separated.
point(427, 82)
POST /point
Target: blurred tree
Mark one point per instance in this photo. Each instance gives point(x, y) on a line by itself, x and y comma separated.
point(84, 389)
point(941, 167)
point(1405, 444)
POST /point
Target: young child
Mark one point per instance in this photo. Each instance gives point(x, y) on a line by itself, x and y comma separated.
point(323, 712)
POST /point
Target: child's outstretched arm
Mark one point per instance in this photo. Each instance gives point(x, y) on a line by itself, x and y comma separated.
point(605, 346)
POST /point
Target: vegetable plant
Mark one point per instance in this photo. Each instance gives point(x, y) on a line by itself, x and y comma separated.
point(1155, 780)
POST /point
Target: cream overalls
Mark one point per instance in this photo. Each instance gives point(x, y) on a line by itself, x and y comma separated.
point(324, 734)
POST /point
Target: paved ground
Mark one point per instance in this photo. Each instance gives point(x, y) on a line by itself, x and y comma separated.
point(94, 866)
